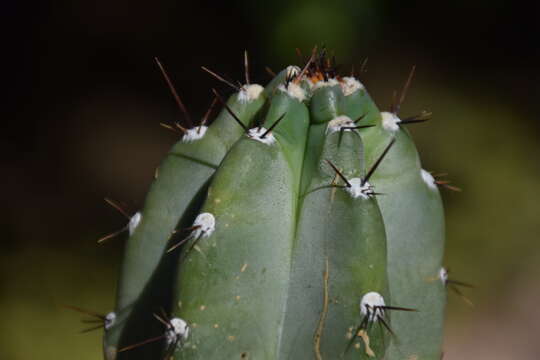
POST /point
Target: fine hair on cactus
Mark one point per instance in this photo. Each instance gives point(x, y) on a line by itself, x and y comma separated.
point(296, 224)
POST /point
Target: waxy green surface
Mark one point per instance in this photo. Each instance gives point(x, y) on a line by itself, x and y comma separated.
point(414, 221)
point(347, 234)
point(232, 286)
point(292, 254)
point(171, 202)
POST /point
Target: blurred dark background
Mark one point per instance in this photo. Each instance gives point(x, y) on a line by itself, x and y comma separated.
point(84, 100)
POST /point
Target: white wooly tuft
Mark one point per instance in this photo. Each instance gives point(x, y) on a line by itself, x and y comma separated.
point(205, 223)
point(177, 331)
point(194, 134)
point(357, 190)
point(350, 85)
point(249, 93)
point(428, 179)
point(338, 123)
point(294, 90)
point(110, 318)
point(257, 133)
point(443, 275)
point(371, 305)
point(134, 222)
point(292, 70)
point(390, 121)
point(321, 84)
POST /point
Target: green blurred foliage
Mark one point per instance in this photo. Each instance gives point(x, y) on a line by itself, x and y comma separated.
point(38, 282)
point(300, 24)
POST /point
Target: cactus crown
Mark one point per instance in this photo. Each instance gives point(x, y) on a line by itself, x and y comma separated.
point(265, 237)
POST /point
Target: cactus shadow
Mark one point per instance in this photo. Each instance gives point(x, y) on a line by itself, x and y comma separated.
point(157, 296)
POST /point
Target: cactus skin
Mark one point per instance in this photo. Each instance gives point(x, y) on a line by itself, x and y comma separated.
point(182, 175)
point(415, 228)
point(414, 218)
point(329, 231)
point(253, 198)
point(287, 254)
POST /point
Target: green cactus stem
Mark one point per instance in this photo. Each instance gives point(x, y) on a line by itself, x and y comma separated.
point(414, 220)
point(298, 225)
point(179, 185)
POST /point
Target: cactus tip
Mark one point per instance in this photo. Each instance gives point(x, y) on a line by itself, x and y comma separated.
point(443, 275)
point(390, 121)
point(292, 71)
point(261, 134)
point(109, 320)
point(340, 122)
point(194, 134)
point(249, 92)
point(130, 227)
point(350, 85)
point(359, 188)
point(205, 224)
point(293, 90)
point(430, 181)
point(177, 330)
point(321, 84)
point(134, 222)
point(372, 305)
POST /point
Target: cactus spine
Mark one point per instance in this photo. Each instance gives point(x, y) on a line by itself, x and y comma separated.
point(264, 237)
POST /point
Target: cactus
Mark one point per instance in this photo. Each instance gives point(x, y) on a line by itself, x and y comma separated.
point(298, 225)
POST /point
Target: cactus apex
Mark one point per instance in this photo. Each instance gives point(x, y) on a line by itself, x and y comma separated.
point(256, 187)
point(249, 92)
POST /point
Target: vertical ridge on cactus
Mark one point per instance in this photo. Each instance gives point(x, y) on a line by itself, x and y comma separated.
point(414, 223)
point(297, 225)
